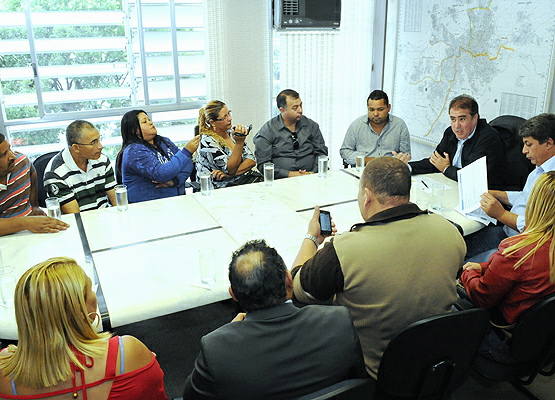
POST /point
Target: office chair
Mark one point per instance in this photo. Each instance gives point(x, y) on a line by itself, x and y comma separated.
point(429, 358)
point(517, 165)
point(532, 346)
point(40, 166)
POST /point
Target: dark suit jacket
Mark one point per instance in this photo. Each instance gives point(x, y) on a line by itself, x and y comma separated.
point(278, 353)
point(485, 142)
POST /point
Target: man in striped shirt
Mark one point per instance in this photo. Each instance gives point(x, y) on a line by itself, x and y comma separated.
point(19, 208)
point(80, 175)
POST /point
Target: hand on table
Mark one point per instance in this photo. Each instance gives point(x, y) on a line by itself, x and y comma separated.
point(404, 157)
point(298, 173)
point(44, 224)
point(439, 161)
point(163, 184)
point(219, 175)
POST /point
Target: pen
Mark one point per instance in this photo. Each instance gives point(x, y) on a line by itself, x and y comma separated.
point(424, 183)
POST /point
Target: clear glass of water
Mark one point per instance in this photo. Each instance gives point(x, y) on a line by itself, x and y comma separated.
point(269, 174)
point(360, 163)
point(121, 197)
point(205, 184)
point(53, 207)
point(323, 164)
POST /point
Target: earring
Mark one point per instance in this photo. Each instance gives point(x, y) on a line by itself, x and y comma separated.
point(96, 315)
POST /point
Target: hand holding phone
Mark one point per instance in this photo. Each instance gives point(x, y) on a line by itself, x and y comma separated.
point(241, 134)
point(325, 223)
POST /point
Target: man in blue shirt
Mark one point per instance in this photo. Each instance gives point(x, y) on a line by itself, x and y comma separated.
point(375, 134)
point(538, 136)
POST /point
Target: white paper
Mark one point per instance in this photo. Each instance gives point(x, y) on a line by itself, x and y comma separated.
point(473, 182)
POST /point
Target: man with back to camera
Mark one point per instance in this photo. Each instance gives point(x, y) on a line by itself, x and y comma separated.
point(275, 350)
point(375, 134)
point(290, 140)
point(465, 141)
point(538, 136)
point(80, 175)
point(19, 208)
point(397, 267)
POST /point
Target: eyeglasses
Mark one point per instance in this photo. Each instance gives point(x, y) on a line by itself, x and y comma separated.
point(227, 116)
point(295, 141)
point(95, 142)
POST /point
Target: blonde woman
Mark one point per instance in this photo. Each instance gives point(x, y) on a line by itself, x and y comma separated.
point(222, 151)
point(522, 271)
point(60, 355)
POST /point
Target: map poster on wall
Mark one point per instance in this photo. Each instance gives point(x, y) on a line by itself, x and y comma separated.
point(498, 51)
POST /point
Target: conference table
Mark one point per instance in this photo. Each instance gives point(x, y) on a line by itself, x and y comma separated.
point(145, 261)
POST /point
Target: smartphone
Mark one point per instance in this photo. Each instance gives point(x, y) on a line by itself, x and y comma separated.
point(325, 223)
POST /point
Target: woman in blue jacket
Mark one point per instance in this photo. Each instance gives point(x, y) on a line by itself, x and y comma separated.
point(152, 166)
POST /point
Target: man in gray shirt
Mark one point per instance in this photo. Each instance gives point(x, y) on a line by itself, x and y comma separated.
point(290, 140)
point(377, 134)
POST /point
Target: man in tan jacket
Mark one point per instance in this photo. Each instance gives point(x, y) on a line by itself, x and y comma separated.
point(397, 267)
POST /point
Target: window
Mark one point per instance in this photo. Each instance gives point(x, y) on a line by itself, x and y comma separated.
point(94, 60)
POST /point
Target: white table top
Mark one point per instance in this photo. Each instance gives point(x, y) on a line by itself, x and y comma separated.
point(147, 258)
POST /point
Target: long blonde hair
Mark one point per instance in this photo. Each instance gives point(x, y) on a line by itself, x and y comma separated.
point(540, 222)
point(208, 113)
point(52, 320)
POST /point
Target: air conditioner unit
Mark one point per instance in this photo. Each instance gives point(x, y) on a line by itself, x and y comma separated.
point(307, 14)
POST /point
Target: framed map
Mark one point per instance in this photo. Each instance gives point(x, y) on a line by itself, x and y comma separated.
point(498, 51)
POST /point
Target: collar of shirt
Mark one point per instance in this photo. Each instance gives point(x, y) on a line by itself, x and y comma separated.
point(404, 211)
point(457, 158)
point(548, 165)
point(300, 123)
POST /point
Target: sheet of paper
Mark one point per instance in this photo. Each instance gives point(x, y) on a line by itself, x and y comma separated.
point(473, 182)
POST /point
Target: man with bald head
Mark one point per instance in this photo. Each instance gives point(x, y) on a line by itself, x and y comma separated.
point(274, 350)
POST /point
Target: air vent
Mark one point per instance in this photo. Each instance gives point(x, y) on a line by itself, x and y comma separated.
point(290, 7)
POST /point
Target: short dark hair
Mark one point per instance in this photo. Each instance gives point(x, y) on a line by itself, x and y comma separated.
point(541, 127)
point(281, 98)
point(465, 102)
point(378, 95)
point(2, 138)
point(257, 275)
point(74, 131)
point(388, 178)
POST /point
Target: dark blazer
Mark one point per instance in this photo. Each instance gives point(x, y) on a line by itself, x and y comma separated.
point(485, 142)
point(278, 353)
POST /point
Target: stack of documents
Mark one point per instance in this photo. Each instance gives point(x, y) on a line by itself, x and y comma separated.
point(473, 182)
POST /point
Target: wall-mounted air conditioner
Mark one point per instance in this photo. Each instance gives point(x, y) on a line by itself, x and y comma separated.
point(307, 14)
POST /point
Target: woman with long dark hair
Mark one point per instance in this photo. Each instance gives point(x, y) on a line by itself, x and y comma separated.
point(152, 166)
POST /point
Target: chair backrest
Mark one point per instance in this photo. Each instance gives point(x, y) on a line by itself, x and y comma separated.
point(430, 357)
point(533, 338)
point(40, 166)
point(518, 166)
point(352, 389)
point(119, 160)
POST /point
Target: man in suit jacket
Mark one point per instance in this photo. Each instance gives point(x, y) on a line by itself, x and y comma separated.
point(465, 141)
point(275, 350)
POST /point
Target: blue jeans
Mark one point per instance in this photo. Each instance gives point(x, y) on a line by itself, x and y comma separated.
point(482, 244)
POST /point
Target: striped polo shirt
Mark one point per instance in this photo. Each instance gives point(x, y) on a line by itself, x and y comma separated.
point(14, 196)
point(65, 180)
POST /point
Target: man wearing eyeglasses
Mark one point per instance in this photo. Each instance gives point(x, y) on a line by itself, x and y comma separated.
point(291, 141)
point(80, 175)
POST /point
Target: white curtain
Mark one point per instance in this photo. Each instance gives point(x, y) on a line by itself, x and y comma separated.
point(331, 71)
point(239, 63)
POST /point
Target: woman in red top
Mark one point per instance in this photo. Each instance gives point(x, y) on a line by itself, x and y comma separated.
point(60, 355)
point(522, 271)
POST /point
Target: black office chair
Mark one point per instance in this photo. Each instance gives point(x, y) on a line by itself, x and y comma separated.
point(40, 166)
point(517, 165)
point(532, 346)
point(429, 358)
point(350, 389)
